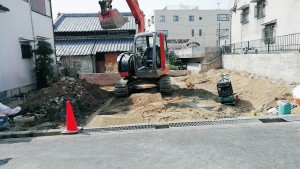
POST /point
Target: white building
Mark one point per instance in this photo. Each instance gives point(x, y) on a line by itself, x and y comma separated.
point(26, 23)
point(187, 25)
point(260, 19)
point(266, 38)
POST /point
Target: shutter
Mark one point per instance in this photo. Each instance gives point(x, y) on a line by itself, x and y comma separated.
point(255, 11)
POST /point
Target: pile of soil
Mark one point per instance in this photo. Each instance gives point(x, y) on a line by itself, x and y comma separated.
point(48, 105)
point(195, 97)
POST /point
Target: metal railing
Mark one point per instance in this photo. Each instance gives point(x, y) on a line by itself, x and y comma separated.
point(286, 43)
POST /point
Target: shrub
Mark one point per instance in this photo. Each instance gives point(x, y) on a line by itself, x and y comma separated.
point(44, 65)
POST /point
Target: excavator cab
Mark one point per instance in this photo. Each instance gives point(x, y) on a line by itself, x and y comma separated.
point(110, 18)
point(150, 54)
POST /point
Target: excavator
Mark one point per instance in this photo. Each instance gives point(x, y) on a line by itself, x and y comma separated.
point(147, 61)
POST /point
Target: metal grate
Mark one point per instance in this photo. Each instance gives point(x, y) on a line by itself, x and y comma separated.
point(120, 128)
point(214, 122)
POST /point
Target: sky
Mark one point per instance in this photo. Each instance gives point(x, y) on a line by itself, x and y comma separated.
point(148, 6)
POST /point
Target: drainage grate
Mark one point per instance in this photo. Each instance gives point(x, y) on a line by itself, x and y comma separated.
point(273, 120)
point(214, 122)
point(120, 128)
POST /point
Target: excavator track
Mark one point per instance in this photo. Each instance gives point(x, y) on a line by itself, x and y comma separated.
point(164, 85)
point(122, 88)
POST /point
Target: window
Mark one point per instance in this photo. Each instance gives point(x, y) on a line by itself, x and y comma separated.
point(193, 32)
point(259, 11)
point(200, 32)
point(191, 18)
point(222, 32)
point(38, 6)
point(269, 33)
point(222, 17)
point(244, 16)
point(200, 18)
point(26, 50)
point(175, 18)
point(162, 18)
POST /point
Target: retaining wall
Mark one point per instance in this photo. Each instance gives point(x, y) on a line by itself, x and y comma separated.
point(284, 66)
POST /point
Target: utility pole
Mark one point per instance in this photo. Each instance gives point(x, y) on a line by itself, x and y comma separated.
point(218, 5)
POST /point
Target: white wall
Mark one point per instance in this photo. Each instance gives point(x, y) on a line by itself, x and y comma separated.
point(285, 11)
point(16, 72)
point(284, 66)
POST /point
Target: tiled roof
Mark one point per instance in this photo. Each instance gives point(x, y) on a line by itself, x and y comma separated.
point(82, 47)
point(3, 8)
point(87, 22)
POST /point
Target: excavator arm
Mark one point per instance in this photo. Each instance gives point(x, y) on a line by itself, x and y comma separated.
point(112, 18)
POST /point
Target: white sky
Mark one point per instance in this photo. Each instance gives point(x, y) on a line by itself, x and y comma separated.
point(148, 6)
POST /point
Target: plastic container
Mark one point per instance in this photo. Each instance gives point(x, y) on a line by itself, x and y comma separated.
point(285, 108)
point(3, 122)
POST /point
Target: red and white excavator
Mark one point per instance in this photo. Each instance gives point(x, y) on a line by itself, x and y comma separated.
point(147, 62)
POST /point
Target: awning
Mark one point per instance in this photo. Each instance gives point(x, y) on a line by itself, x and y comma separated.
point(22, 39)
point(41, 38)
point(269, 23)
point(244, 7)
point(3, 8)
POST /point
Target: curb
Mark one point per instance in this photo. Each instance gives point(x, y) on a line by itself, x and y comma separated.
point(37, 133)
point(55, 132)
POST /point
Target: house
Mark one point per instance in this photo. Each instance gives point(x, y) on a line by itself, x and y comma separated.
point(190, 26)
point(265, 38)
point(263, 19)
point(83, 45)
point(22, 25)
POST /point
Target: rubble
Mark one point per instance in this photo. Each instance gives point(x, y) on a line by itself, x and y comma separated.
point(47, 105)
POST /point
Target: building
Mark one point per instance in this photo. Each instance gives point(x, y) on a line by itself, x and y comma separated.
point(24, 23)
point(265, 38)
point(83, 45)
point(189, 26)
point(263, 19)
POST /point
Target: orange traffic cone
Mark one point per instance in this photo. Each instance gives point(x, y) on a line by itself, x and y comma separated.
point(71, 127)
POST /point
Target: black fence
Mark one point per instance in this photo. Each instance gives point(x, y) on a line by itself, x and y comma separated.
point(286, 43)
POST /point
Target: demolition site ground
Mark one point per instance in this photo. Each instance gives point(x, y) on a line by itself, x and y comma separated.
point(194, 98)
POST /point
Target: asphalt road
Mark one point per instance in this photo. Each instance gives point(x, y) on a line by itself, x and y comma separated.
point(275, 145)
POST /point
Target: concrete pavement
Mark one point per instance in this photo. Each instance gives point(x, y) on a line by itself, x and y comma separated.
point(272, 145)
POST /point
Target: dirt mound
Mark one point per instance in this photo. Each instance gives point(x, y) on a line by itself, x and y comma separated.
point(48, 104)
point(142, 99)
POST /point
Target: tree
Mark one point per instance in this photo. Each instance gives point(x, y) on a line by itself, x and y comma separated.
point(175, 62)
point(44, 64)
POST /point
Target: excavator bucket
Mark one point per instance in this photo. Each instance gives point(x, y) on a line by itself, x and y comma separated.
point(114, 19)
